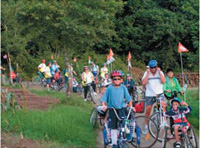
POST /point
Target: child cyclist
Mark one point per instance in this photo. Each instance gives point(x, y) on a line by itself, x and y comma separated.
point(177, 117)
point(116, 96)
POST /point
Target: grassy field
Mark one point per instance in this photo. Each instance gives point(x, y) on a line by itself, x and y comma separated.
point(66, 124)
point(192, 99)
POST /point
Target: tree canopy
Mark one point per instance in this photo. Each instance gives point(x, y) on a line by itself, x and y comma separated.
point(149, 29)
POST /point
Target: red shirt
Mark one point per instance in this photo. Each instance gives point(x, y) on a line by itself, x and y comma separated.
point(14, 76)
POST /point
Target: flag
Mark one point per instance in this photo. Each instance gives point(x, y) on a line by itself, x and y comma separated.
point(89, 60)
point(129, 64)
point(129, 56)
point(110, 60)
point(52, 57)
point(74, 60)
point(111, 53)
point(181, 48)
point(5, 56)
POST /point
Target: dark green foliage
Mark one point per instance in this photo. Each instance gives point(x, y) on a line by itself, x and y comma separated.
point(149, 29)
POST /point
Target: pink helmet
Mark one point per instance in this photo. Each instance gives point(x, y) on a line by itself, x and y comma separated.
point(115, 74)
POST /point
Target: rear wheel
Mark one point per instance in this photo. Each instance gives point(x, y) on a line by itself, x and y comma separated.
point(93, 117)
point(93, 96)
point(144, 138)
point(36, 80)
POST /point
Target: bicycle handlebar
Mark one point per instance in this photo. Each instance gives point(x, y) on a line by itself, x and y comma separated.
point(117, 114)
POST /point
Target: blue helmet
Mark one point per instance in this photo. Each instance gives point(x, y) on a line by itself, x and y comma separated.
point(176, 99)
point(152, 63)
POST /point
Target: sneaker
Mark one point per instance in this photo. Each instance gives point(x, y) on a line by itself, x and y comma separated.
point(177, 144)
point(145, 131)
point(85, 99)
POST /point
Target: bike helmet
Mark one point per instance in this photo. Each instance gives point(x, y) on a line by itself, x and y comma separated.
point(121, 72)
point(85, 67)
point(128, 75)
point(176, 99)
point(115, 73)
point(152, 63)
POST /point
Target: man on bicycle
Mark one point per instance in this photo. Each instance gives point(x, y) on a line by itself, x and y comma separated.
point(87, 77)
point(153, 79)
point(116, 96)
point(42, 68)
point(171, 85)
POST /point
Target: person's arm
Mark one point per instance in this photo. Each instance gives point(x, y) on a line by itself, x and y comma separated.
point(162, 76)
point(104, 98)
point(145, 77)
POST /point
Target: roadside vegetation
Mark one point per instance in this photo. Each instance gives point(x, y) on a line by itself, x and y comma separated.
point(66, 124)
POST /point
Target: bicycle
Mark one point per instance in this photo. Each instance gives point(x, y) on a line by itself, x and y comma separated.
point(188, 137)
point(135, 136)
point(96, 114)
point(91, 93)
point(37, 80)
point(80, 89)
point(159, 119)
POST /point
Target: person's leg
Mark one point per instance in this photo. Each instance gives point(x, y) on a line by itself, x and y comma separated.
point(86, 88)
point(113, 124)
point(48, 82)
point(94, 86)
point(176, 127)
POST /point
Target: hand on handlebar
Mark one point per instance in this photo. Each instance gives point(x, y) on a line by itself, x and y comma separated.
point(133, 108)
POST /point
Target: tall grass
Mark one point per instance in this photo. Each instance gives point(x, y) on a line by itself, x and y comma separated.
point(66, 123)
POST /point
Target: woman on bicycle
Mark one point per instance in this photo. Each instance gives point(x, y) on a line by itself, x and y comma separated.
point(116, 96)
point(87, 77)
point(177, 117)
point(171, 85)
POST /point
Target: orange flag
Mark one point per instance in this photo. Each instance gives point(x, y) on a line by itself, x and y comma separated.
point(52, 57)
point(107, 57)
point(181, 48)
point(129, 56)
point(111, 53)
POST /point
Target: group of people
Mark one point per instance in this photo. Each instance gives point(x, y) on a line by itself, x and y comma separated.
point(156, 85)
point(51, 72)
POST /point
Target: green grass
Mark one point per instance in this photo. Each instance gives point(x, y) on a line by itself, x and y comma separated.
point(192, 99)
point(66, 124)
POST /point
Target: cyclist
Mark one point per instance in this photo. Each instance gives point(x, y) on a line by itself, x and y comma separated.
point(153, 79)
point(13, 76)
point(129, 83)
point(106, 81)
point(54, 67)
point(47, 74)
point(176, 115)
point(171, 84)
point(95, 71)
point(41, 68)
point(87, 77)
point(116, 96)
point(57, 77)
point(104, 70)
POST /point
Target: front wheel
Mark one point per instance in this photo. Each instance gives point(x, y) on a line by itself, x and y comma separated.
point(143, 138)
point(192, 137)
point(93, 117)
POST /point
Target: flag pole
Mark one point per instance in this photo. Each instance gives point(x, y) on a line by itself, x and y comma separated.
point(182, 74)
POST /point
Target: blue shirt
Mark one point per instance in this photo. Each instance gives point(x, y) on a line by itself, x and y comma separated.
point(131, 83)
point(116, 97)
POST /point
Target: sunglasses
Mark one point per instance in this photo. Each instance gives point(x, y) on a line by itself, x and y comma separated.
point(152, 67)
point(116, 79)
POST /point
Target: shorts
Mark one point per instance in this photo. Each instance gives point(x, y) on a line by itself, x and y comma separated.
point(113, 119)
point(151, 100)
point(94, 73)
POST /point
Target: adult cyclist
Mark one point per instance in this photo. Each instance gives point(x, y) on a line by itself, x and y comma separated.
point(87, 77)
point(153, 79)
point(116, 96)
point(171, 85)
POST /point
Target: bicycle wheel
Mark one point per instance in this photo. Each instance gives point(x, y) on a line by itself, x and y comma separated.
point(146, 140)
point(123, 145)
point(25, 84)
point(93, 117)
point(93, 96)
point(192, 137)
point(161, 126)
point(36, 80)
point(79, 89)
point(167, 130)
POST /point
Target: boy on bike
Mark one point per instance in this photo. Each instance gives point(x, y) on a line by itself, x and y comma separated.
point(178, 117)
point(116, 96)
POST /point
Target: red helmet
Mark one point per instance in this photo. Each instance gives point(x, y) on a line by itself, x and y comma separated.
point(43, 60)
point(115, 74)
point(85, 68)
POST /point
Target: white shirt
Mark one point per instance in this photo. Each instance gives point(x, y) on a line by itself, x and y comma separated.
point(42, 67)
point(88, 77)
point(154, 85)
point(104, 70)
